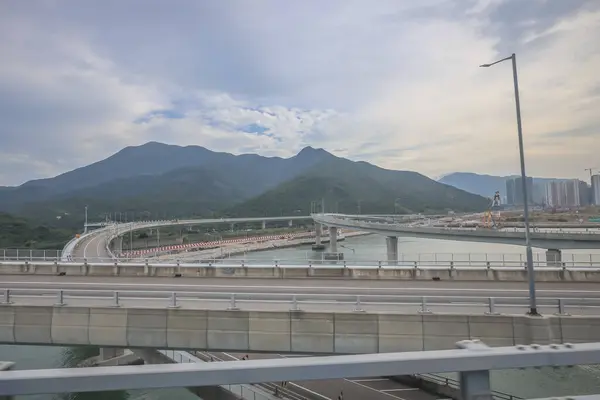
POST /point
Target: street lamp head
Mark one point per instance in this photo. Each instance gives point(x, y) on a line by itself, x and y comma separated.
point(485, 65)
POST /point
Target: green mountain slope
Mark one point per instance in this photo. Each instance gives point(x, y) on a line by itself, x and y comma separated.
point(352, 187)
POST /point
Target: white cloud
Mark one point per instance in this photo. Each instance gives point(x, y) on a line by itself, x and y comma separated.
point(396, 84)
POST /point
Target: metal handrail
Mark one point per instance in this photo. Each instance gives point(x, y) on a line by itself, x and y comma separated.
point(432, 258)
point(231, 263)
point(294, 300)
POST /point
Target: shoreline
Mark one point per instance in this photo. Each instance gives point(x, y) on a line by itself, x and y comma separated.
point(227, 251)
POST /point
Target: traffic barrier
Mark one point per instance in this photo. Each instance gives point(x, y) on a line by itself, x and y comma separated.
point(283, 271)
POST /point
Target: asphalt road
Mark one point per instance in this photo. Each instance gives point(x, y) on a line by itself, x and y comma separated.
point(311, 295)
point(304, 286)
point(94, 249)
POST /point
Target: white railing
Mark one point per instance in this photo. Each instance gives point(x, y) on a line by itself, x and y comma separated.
point(569, 304)
point(402, 263)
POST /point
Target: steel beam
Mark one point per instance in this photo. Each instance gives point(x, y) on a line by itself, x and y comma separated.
point(471, 358)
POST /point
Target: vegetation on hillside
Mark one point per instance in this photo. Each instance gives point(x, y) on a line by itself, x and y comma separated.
point(19, 233)
point(352, 188)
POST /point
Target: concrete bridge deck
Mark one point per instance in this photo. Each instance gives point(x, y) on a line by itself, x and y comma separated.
point(304, 332)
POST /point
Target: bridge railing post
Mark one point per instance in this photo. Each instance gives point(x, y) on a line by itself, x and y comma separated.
point(6, 297)
point(491, 306)
point(232, 303)
point(60, 298)
point(173, 301)
point(561, 307)
point(295, 304)
point(424, 309)
point(358, 305)
point(116, 299)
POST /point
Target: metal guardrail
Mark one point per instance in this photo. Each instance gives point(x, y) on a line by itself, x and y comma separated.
point(473, 360)
point(284, 264)
point(322, 263)
point(293, 301)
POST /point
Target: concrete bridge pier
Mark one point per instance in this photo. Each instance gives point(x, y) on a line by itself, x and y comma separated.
point(290, 223)
point(118, 244)
point(392, 250)
point(232, 227)
point(319, 234)
point(333, 253)
point(553, 258)
point(264, 224)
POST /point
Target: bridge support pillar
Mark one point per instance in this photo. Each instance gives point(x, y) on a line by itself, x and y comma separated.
point(264, 224)
point(318, 236)
point(475, 385)
point(333, 233)
point(232, 227)
point(392, 249)
point(290, 222)
point(553, 258)
point(333, 253)
point(119, 244)
point(106, 353)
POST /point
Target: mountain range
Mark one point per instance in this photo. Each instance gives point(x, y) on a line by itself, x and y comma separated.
point(162, 180)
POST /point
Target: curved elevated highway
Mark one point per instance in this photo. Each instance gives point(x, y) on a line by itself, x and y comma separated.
point(95, 244)
point(544, 240)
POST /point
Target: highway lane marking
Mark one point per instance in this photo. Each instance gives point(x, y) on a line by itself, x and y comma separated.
point(344, 288)
point(373, 389)
point(86, 246)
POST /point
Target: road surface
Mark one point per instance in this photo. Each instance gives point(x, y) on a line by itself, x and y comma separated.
point(94, 249)
point(311, 295)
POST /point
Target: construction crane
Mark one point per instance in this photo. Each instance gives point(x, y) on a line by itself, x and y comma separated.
point(591, 171)
point(491, 218)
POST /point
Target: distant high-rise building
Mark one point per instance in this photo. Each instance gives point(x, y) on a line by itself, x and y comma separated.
point(538, 195)
point(518, 193)
point(584, 194)
point(572, 193)
point(596, 189)
point(564, 193)
point(510, 191)
point(553, 194)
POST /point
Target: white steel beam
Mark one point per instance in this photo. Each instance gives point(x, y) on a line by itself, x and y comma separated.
point(473, 358)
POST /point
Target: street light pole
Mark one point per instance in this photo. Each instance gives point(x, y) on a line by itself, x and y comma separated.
point(528, 251)
point(85, 228)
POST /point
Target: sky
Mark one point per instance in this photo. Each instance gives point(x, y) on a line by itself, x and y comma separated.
point(392, 82)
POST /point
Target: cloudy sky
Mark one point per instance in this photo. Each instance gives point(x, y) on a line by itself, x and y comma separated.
point(392, 82)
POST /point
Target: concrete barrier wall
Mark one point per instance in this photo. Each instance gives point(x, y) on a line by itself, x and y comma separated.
point(280, 332)
point(506, 274)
